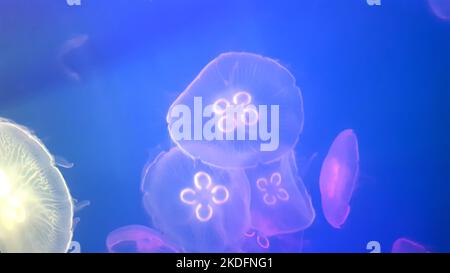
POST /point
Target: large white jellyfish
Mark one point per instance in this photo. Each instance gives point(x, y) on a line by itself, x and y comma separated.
point(198, 207)
point(241, 110)
point(280, 203)
point(36, 209)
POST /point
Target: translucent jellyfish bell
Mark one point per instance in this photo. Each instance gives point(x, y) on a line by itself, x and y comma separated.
point(255, 241)
point(280, 202)
point(241, 105)
point(36, 208)
point(138, 239)
point(338, 177)
point(441, 8)
point(200, 208)
point(403, 245)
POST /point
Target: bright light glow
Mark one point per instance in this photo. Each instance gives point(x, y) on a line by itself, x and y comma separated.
point(5, 186)
point(12, 210)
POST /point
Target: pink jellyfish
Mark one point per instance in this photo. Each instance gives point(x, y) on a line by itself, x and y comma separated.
point(255, 241)
point(280, 202)
point(338, 177)
point(140, 239)
point(441, 8)
point(403, 245)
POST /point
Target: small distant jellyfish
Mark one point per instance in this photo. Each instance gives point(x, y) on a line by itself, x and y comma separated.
point(199, 207)
point(280, 202)
point(338, 177)
point(440, 8)
point(403, 245)
point(241, 110)
point(138, 239)
point(36, 209)
point(256, 242)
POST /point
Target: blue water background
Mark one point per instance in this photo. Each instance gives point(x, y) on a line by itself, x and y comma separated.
point(382, 70)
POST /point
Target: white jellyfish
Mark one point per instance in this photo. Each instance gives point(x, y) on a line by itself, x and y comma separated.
point(198, 207)
point(280, 202)
point(36, 209)
point(241, 110)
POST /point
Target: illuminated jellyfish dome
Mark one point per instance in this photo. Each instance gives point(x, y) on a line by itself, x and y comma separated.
point(36, 208)
point(338, 177)
point(241, 110)
point(198, 207)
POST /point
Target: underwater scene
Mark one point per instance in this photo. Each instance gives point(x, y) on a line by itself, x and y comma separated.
point(200, 126)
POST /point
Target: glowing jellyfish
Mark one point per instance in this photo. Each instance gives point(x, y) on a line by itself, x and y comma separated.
point(441, 8)
point(200, 208)
point(36, 209)
point(338, 176)
point(256, 242)
point(241, 110)
point(403, 245)
point(280, 202)
point(138, 239)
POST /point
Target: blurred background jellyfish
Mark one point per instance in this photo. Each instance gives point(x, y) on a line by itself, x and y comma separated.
point(440, 8)
point(280, 202)
point(138, 239)
point(36, 209)
point(244, 97)
point(256, 242)
point(404, 245)
point(338, 177)
point(199, 207)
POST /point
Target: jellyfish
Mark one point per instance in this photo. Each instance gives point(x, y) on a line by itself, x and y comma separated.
point(255, 241)
point(68, 46)
point(199, 207)
point(440, 8)
point(338, 176)
point(36, 208)
point(280, 202)
point(241, 105)
point(403, 245)
point(138, 239)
